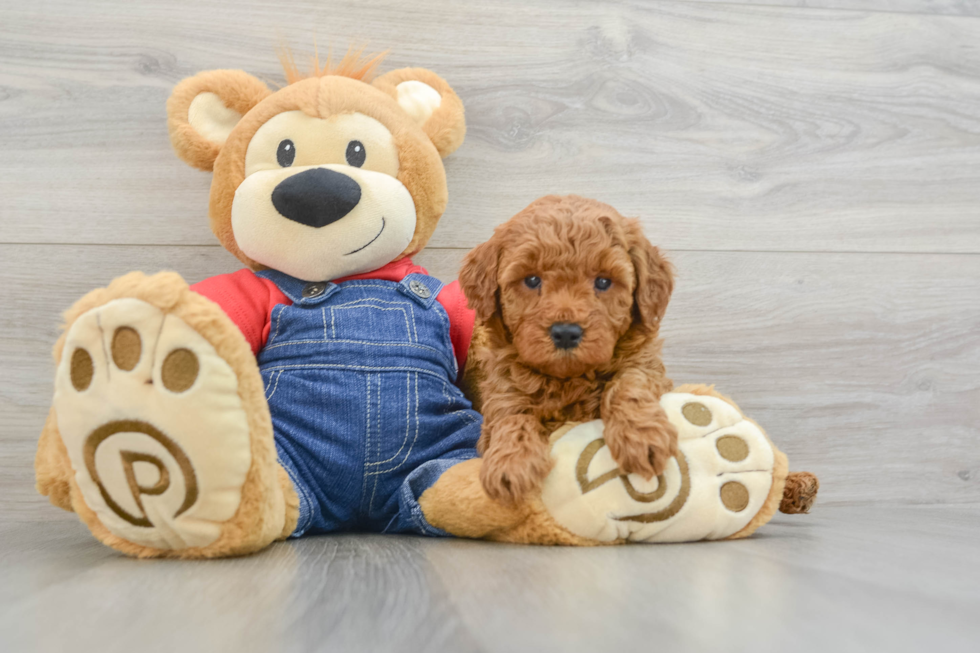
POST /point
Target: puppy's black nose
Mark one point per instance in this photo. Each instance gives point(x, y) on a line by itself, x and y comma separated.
point(565, 335)
point(316, 197)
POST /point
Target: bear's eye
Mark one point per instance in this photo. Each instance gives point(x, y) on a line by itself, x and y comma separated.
point(602, 283)
point(356, 154)
point(286, 153)
point(532, 282)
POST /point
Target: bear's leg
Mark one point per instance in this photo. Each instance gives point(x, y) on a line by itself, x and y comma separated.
point(52, 469)
point(726, 482)
point(457, 504)
point(160, 435)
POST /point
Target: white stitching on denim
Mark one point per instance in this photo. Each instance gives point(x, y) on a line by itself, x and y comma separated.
point(446, 322)
point(366, 368)
point(420, 521)
point(414, 440)
point(361, 304)
point(466, 413)
point(372, 285)
point(367, 442)
point(379, 437)
point(374, 489)
point(404, 302)
point(416, 417)
point(415, 331)
point(408, 328)
point(278, 321)
point(446, 395)
point(364, 301)
point(374, 492)
point(300, 489)
point(276, 387)
point(358, 342)
point(440, 354)
point(408, 394)
point(323, 313)
point(409, 303)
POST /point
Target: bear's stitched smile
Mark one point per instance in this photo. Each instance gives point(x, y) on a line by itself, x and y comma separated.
point(370, 241)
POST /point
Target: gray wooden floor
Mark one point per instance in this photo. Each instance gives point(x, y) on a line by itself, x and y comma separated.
point(813, 166)
point(848, 578)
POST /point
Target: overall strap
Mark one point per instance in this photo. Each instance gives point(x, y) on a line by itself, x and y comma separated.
point(303, 293)
point(420, 288)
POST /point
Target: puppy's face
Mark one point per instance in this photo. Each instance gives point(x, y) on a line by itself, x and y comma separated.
point(566, 280)
point(566, 297)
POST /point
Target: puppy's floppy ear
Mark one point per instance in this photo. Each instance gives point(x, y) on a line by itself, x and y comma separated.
point(431, 102)
point(654, 277)
point(478, 278)
point(203, 109)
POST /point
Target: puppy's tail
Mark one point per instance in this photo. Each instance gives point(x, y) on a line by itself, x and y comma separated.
point(799, 493)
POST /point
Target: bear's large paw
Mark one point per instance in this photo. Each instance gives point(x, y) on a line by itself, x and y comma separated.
point(154, 426)
point(712, 490)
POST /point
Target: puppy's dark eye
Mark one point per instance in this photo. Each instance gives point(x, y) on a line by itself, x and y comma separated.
point(603, 283)
point(356, 154)
point(532, 282)
point(286, 153)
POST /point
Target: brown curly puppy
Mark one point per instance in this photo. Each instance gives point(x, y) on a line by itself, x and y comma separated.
point(569, 295)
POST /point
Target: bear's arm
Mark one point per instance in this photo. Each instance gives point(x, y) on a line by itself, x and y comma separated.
point(247, 299)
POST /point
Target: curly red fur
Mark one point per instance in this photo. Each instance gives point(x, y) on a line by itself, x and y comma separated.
point(528, 386)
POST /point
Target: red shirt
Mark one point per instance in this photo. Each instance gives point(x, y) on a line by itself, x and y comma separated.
point(249, 299)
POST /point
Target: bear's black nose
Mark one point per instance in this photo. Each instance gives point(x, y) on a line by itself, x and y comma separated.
point(565, 335)
point(316, 197)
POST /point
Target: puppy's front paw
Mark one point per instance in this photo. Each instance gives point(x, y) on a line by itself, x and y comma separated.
point(641, 442)
point(509, 476)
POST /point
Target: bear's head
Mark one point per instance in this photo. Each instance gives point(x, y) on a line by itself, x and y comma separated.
point(326, 177)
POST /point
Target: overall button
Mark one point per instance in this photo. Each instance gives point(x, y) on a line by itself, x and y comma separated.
point(313, 290)
point(419, 288)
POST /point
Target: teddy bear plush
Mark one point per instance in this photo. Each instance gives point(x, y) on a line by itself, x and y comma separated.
point(317, 390)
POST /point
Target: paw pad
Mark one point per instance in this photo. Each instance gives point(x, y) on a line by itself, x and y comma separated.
point(179, 370)
point(735, 496)
point(126, 348)
point(82, 369)
point(732, 448)
point(154, 426)
point(696, 413)
point(712, 489)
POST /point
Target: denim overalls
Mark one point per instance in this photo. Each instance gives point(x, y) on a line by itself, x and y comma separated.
point(359, 376)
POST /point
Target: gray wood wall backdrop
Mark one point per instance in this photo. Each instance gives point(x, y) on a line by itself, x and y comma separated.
point(812, 165)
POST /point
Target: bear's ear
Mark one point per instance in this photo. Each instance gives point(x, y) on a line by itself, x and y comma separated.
point(433, 104)
point(203, 109)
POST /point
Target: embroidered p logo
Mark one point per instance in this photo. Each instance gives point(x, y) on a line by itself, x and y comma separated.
point(126, 472)
point(587, 485)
